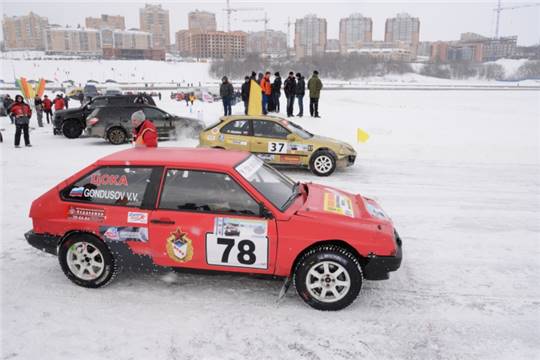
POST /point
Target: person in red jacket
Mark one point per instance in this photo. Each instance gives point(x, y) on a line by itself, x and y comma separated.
point(21, 112)
point(58, 103)
point(144, 131)
point(47, 108)
point(266, 88)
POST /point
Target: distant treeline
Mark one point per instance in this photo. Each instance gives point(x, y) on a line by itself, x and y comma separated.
point(352, 66)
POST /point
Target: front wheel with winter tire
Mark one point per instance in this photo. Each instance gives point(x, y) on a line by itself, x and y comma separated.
point(87, 261)
point(322, 163)
point(328, 278)
point(116, 136)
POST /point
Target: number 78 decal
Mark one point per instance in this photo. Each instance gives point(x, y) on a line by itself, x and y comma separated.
point(237, 252)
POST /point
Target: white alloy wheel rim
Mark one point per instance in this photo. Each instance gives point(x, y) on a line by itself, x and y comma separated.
point(323, 164)
point(85, 261)
point(328, 281)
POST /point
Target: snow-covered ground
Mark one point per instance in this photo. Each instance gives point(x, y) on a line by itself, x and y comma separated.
point(459, 172)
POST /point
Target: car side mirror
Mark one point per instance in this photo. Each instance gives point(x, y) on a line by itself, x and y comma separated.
point(291, 137)
point(264, 212)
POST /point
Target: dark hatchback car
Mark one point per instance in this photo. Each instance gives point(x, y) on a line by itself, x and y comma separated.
point(113, 123)
point(71, 122)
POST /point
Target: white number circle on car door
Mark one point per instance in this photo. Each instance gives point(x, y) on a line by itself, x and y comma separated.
point(277, 147)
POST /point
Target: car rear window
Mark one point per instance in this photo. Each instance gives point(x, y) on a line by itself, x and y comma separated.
point(111, 185)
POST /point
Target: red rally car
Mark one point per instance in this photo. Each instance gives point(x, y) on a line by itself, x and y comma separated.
point(217, 210)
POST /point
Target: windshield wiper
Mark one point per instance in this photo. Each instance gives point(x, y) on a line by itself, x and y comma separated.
point(293, 196)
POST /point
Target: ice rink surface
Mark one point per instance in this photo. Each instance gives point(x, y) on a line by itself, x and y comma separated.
point(459, 173)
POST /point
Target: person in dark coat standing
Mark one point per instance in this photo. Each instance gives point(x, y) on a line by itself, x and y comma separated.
point(276, 90)
point(38, 105)
point(47, 108)
point(22, 113)
point(314, 85)
point(7, 103)
point(226, 91)
point(300, 92)
point(290, 87)
point(66, 101)
point(245, 93)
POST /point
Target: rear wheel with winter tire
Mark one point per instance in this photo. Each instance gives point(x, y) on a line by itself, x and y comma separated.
point(116, 136)
point(72, 129)
point(322, 163)
point(328, 278)
point(87, 261)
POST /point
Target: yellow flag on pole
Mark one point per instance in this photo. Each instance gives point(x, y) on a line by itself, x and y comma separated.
point(361, 135)
point(255, 99)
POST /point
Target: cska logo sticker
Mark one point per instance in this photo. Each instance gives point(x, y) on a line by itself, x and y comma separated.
point(179, 246)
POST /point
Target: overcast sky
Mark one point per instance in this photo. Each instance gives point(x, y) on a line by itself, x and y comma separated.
point(439, 20)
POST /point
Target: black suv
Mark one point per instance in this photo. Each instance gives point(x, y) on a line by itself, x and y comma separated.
point(113, 123)
point(71, 122)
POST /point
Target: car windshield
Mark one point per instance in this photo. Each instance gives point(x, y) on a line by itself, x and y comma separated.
point(297, 129)
point(273, 185)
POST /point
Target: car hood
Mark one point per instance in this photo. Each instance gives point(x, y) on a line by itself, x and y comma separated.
point(66, 112)
point(325, 202)
point(334, 144)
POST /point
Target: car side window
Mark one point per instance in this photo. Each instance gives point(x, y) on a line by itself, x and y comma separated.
point(205, 191)
point(154, 114)
point(238, 127)
point(110, 185)
point(269, 129)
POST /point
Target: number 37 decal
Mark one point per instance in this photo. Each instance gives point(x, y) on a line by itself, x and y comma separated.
point(277, 147)
point(238, 243)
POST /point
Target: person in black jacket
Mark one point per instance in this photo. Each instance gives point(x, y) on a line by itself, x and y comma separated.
point(226, 91)
point(7, 103)
point(276, 90)
point(290, 87)
point(245, 93)
point(300, 92)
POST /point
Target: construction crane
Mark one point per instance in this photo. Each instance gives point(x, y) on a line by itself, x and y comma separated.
point(500, 8)
point(264, 20)
point(229, 10)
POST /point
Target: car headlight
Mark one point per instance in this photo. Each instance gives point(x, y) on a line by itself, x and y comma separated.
point(375, 211)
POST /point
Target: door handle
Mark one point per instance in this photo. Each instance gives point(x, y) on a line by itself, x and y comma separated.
point(163, 221)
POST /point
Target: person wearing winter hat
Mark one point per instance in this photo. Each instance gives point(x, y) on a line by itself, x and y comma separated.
point(226, 91)
point(276, 90)
point(144, 131)
point(300, 92)
point(21, 113)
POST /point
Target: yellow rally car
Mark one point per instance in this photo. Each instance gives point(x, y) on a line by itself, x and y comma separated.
point(279, 142)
